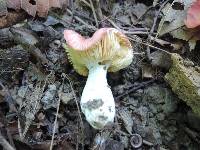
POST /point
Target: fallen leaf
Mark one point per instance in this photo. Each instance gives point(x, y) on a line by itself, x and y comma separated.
point(160, 59)
point(28, 7)
point(128, 121)
point(24, 36)
point(14, 4)
point(41, 7)
point(173, 23)
point(193, 15)
point(148, 71)
point(139, 10)
point(55, 3)
point(172, 20)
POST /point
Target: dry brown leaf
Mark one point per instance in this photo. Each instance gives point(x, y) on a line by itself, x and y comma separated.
point(41, 7)
point(55, 3)
point(28, 7)
point(173, 23)
point(15, 4)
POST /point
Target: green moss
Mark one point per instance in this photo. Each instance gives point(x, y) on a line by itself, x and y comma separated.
point(185, 82)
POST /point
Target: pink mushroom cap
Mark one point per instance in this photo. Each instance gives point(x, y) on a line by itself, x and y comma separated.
point(106, 45)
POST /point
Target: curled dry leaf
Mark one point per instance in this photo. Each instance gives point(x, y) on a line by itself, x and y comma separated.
point(28, 7)
point(14, 4)
point(41, 7)
point(173, 23)
point(193, 15)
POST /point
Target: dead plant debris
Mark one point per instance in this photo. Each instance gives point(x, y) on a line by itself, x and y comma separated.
point(40, 91)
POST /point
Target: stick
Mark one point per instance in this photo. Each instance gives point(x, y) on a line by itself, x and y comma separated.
point(136, 88)
point(5, 143)
point(94, 13)
point(153, 28)
point(55, 122)
point(81, 21)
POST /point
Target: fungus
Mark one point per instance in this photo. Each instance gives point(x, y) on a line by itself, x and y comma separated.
point(107, 50)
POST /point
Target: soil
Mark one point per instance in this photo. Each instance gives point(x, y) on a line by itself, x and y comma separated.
point(38, 84)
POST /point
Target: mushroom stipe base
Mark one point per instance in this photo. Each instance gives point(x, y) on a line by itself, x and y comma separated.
point(99, 105)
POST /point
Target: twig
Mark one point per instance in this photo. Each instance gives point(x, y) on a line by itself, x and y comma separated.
point(98, 10)
point(84, 1)
point(113, 24)
point(10, 71)
point(96, 6)
point(94, 13)
point(146, 11)
point(160, 41)
point(55, 122)
point(5, 143)
point(135, 29)
point(143, 84)
point(156, 16)
point(146, 44)
point(82, 21)
point(71, 4)
point(19, 128)
point(76, 101)
point(65, 23)
point(147, 143)
point(126, 32)
point(136, 32)
point(163, 20)
point(153, 28)
point(80, 14)
point(5, 123)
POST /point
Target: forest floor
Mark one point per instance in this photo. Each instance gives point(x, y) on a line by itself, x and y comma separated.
point(40, 91)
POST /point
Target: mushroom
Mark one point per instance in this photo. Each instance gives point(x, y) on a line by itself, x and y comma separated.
point(107, 50)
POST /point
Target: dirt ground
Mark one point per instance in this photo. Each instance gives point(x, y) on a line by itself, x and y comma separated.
point(40, 91)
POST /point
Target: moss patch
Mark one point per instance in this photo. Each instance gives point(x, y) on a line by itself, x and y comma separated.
point(185, 82)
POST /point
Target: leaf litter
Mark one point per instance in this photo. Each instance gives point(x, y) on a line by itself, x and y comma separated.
point(33, 62)
point(34, 6)
point(173, 22)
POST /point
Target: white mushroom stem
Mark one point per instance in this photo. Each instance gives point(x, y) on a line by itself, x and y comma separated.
point(97, 102)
